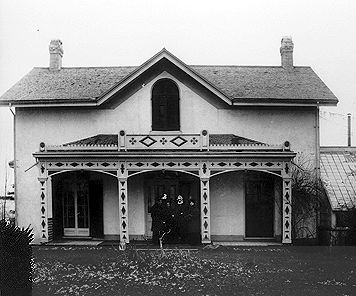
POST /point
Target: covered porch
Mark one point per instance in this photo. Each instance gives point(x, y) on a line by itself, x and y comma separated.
point(243, 190)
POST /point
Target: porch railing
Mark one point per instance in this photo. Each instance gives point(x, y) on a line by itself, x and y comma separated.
point(164, 141)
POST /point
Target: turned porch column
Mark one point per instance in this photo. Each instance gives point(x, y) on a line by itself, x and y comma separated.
point(46, 222)
point(204, 175)
point(123, 203)
point(287, 204)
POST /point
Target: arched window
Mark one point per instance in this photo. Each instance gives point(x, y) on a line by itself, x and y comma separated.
point(165, 106)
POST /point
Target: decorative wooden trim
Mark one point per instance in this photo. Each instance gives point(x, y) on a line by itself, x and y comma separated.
point(204, 168)
point(60, 165)
point(123, 203)
point(81, 148)
point(161, 142)
point(245, 164)
point(43, 208)
point(174, 164)
point(253, 147)
point(205, 210)
point(287, 211)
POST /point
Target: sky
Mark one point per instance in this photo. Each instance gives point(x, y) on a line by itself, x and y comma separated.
point(118, 33)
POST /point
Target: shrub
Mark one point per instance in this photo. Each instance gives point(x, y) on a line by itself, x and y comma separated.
point(309, 199)
point(15, 260)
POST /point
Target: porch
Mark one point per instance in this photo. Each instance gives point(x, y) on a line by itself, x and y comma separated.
point(243, 190)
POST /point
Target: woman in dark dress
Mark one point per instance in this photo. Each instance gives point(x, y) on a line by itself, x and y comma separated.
point(180, 217)
point(158, 223)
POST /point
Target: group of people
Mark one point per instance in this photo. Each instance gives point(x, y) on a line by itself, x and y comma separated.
point(175, 221)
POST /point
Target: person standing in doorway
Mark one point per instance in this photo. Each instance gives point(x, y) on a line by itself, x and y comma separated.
point(180, 215)
point(157, 214)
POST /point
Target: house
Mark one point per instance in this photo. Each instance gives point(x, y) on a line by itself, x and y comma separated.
point(95, 147)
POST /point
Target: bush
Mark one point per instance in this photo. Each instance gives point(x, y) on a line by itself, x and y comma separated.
point(309, 199)
point(15, 260)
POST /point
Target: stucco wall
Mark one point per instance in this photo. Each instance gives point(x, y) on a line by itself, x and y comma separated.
point(111, 205)
point(136, 205)
point(58, 126)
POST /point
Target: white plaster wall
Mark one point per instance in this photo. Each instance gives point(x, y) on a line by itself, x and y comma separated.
point(136, 205)
point(111, 206)
point(58, 126)
point(227, 208)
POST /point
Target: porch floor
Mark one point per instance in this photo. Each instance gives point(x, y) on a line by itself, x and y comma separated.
point(149, 245)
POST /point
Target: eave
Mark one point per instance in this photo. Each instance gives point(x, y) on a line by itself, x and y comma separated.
point(166, 154)
point(283, 102)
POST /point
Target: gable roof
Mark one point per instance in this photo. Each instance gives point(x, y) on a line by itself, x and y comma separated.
point(233, 84)
point(338, 171)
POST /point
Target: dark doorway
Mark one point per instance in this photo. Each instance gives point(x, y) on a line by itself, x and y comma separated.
point(96, 208)
point(173, 184)
point(259, 205)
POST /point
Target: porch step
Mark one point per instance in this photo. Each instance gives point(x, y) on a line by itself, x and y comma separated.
point(249, 244)
point(75, 242)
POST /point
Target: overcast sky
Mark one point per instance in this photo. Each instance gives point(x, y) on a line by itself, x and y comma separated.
point(115, 33)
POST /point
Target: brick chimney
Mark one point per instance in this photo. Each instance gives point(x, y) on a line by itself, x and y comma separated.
point(55, 55)
point(287, 52)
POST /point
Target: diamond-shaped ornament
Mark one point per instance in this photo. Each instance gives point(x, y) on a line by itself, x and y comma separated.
point(205, 210)
point(205, 224)
point(178, 141)
point(148, 141)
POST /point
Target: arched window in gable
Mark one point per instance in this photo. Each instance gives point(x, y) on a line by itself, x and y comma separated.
point(165, 106)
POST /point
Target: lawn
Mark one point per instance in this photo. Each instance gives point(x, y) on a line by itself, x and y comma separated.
point(223, 271)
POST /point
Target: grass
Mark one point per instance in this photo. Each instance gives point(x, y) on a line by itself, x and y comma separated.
point(224, 271)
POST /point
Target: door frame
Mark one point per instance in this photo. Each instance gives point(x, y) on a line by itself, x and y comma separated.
point(76, 231)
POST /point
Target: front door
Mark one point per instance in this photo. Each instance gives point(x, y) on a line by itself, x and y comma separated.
point(156, 187)
point(76, 209)
point(259, 208)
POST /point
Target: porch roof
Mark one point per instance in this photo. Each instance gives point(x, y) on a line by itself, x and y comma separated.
point(338, 171)
point(112, 140)
point(175, 146)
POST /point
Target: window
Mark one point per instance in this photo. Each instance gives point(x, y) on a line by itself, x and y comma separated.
point(165, 106)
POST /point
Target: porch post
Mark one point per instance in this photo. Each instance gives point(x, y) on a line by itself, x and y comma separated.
point(205, 202)
point(287, 205)
point(123, 203)
point(43, 203)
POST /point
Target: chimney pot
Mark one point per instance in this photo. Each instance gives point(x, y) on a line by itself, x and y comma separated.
point(286, 51)
point(55, 55)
